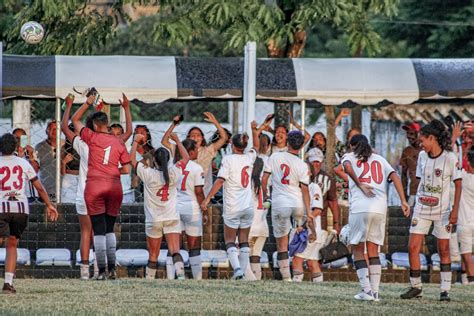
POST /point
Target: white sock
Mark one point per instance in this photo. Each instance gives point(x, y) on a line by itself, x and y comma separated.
point(9, 277)
point(298, 276)
point(256, 270)
point(363, 275)
point(100, 251)
point(244, 256)
point(446, 278)
point(233, 255)
point(284, 267)
point(96, 267)
point(464, 279)
point(170, 273)
point(415, 279)
point(178, 265)
point(317, 277)
point(111, 244)
point(196, 267)
point(84, 271)
point(375, 273)
point(150, 273)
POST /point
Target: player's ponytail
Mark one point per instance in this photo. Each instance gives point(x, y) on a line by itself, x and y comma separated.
point(361, 147)
point(162, 156)
point(439, 131)
point(256, 172)
point(240, 141)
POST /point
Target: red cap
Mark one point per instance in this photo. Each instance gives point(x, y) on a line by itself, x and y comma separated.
point(414, 126)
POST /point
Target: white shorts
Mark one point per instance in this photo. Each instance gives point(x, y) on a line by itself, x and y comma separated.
point(242, 219)
point(69, 185)
point(81, 208)
point(312, 249)
point(256, 245)
point(367, 227)
point(158, 229)
point(192, 224)
point(465, 235)
point(281, 219)
point(422, 226)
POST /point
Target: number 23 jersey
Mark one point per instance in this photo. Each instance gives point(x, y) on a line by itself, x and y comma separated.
point(375, 173)
point(236, 171)
point(287, 171)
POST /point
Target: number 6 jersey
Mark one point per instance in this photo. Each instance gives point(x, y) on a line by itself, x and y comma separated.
point(236, 170)
point(375, 173)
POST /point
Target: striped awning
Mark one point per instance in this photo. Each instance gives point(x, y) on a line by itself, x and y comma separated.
point(155, 79)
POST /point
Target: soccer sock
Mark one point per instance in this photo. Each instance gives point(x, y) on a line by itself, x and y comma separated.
point(317, 277)
point(284, 265)
point(84, 270)
point(170, 273)
point(464, 279)
point(298, 276)
point(100, 252)
point(415, 278)
point(446, 277)
point(9, 277)
point(96, 267)
point(196, 263)
point(151, 270)
point(470, 279)
point(375, 273)
point(111, 242)
point(256, 267)
point(178, 265)
point(363, 275)
point(233, 255)
point(244, 256)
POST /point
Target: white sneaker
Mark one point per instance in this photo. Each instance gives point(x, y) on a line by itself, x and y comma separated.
point(238, 275)
point(85, 272)
point(288, 280)
point(363, 296)
point(376, 296)
point(181, 277)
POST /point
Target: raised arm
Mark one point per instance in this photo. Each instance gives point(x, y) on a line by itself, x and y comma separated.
point(307, 136)
point(182, 151)
point(344, 112)
point(256, 134)
point(128, 118)
point(138, 139)
point(165, 141)
point(76, 118)
point(209, 117)
point(64, 123)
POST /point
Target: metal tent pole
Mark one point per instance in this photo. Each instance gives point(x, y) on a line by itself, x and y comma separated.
point(58, 150)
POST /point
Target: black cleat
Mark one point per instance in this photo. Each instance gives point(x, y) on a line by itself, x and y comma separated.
point(8, 289)
point(444, 297)
point(112, 274)
point(412, 292)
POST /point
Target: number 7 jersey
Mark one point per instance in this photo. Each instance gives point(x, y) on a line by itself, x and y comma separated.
point(375, 173)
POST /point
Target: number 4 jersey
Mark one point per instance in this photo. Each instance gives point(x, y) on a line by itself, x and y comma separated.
point(15, 173)
point(236, 170)
point(375, 172)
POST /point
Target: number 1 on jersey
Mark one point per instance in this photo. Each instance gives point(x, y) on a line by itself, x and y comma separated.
point(107, 155)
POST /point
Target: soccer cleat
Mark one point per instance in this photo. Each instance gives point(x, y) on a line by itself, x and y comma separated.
point(238, 275)
point(376, 296)
point(180, 277)
point(363, 296)
point(444, 297)
point(101, 277)
point(412, 292)
point(8, 289)
point(288, 280)
point(112, 274)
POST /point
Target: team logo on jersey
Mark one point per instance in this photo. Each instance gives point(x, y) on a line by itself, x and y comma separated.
point(414, 222)
point(438, 172)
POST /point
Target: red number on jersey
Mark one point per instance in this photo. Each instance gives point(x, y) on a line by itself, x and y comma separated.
point(185, 178)
point(163, 193)
point(245, 178)
point(18, 170)
point(18, 184)
point(286, 172)
point(375, 169)
point(5, 171)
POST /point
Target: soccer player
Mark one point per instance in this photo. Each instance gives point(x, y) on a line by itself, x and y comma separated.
point(311, 252)
point(369, 175)
point(290, 196)
point(103, 189)
point(234, 174)
point(15, 173)
point(436, 168)
point(161, 216)
point(466, 217)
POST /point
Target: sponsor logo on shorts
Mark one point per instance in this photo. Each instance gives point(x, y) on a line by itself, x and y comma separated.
point(414, 222)
point(428, 200)
point(438, 172)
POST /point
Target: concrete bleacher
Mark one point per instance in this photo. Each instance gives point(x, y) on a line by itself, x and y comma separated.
point(50, 250)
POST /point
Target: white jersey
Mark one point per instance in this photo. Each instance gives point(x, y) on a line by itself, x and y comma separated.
point(375, 172)
point(436, 175)
point(287, 171)
point(316, 201)
point(159, 199)
point(191, 176)
point(236, 170)
point(259, 226)
point(466, 204)
point(15, 173)
point(83, 150)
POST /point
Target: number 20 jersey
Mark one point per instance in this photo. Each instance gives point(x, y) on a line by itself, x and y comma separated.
point(375, 173)
point(236, 170)
point(287, 171)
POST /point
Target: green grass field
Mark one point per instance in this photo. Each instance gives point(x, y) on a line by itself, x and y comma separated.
point(142, 297)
